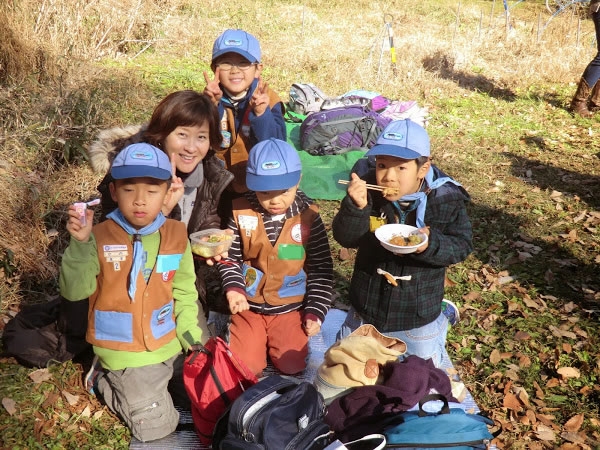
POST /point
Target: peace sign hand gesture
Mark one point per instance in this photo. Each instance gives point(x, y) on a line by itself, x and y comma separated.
point(212, 88)
point(260, 99)
point(175, 190)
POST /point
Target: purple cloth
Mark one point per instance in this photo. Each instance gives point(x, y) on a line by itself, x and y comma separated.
point(369, 409)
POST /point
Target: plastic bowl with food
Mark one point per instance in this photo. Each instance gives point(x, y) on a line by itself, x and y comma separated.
point(400, 239)
point(210, 243)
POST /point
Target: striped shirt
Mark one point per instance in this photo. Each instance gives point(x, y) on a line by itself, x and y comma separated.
point(318, 265)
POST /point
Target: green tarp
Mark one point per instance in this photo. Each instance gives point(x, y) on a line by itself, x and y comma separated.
point(321, 173)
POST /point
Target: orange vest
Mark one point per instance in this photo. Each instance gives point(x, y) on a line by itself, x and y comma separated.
point(274, 274)
point(236, 156)
point(147, 322)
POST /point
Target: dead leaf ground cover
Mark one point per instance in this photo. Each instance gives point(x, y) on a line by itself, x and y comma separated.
point(497, 90)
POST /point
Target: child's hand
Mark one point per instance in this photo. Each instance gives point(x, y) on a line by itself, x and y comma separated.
point(357, 190)
point(212, 88)
point(311, 327)
point(79, 231)
point(237, 302)
point(175, 191)
point(259, 101)
point(216, 258)
point(422, 248)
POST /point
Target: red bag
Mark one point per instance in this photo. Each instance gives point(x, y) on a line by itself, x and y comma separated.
point(213, 378)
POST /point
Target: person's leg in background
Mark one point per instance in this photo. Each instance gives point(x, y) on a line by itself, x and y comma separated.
point(587, 95)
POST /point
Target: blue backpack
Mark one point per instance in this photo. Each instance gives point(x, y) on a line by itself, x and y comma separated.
point(450, 428)
point(337, 130)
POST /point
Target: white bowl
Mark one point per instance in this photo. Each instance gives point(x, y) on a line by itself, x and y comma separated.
point(386, 232)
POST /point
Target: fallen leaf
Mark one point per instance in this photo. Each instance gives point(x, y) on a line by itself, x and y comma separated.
point(495, 357)
point(574, 423)
point(71, 399)
point(545, 433)
point(40, 375)
point(522, 336)
point(86, 412)
point(512, 402)
point(569, 372)
point(9, 405)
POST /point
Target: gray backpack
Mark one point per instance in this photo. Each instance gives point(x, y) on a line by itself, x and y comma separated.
point(306, 98)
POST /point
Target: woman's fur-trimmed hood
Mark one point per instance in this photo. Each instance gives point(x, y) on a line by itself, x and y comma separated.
point(109, 142)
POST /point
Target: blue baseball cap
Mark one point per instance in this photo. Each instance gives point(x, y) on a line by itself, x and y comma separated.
point(141, 160)
point(237, 41)
point(273, 165)
point(403, 139)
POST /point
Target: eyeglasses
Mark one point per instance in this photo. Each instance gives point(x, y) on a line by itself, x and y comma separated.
point(243, 66)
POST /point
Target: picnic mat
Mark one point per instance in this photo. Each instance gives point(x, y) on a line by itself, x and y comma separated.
point(321, 173)
point(185, 437)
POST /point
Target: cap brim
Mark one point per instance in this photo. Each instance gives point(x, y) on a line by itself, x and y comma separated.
point(393, 150)
point(263, 183)
point(244, 53)
point(120, 173)
point(329, 391)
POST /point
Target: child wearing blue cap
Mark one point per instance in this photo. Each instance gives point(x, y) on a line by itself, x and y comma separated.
point(278, 278)
point(136, 267)
point(416, 193)
point(250, 111)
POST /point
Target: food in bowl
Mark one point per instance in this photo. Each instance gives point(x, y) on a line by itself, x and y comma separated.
point(399, 238)
point(406, 241)
point(210, 243)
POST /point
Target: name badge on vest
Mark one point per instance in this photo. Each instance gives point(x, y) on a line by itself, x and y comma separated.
point(376, 222)
point(115, 254)
point(248, 223)
point(290, 251)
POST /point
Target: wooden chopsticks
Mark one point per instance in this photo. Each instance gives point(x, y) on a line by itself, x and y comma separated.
point(369, 186)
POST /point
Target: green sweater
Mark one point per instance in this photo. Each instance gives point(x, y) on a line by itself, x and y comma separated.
point(78, 272)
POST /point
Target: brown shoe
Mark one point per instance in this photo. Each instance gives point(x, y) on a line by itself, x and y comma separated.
point(579, 104)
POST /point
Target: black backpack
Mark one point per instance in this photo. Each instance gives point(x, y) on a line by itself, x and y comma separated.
point(277, 413)
point(49, 332)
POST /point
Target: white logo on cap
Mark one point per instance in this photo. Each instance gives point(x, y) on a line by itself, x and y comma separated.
point(270, 165)
point(141, 155)
point(233, 42)
point(393, 136)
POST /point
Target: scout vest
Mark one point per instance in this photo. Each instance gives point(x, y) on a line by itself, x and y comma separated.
point(274, 274)
point(235, 152)
point(147, 322)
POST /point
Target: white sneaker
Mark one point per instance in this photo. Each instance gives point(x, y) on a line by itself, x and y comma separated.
point(91, 377)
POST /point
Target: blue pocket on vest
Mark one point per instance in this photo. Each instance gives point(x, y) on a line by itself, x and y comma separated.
point(252, 277)
point(162, 321)
point(293, 285)
point(113, 326)
point(166, 263)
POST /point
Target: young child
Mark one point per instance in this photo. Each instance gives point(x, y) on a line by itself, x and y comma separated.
point(136, 268)
point(278, 278)
point(249, 111)
point(422, 196)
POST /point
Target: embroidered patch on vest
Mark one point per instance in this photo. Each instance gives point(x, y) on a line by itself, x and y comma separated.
point(168, 276)
point(300, 233)
point(163, 314)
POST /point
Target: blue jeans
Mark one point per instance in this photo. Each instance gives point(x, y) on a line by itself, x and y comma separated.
point(427, 342)
point(592, 71)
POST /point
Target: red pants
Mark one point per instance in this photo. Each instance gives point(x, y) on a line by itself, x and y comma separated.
point(254, 336)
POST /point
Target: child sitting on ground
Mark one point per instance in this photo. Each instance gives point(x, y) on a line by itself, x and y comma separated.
point(249, 110)
point(136, 268)
point(278, 278)
point(419, 194)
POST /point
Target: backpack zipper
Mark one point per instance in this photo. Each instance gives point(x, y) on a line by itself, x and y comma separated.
point(485, 442)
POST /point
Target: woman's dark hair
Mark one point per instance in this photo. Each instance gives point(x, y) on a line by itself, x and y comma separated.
point(183, 109)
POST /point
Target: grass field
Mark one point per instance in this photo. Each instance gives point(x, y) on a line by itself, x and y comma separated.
point(497, 87)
